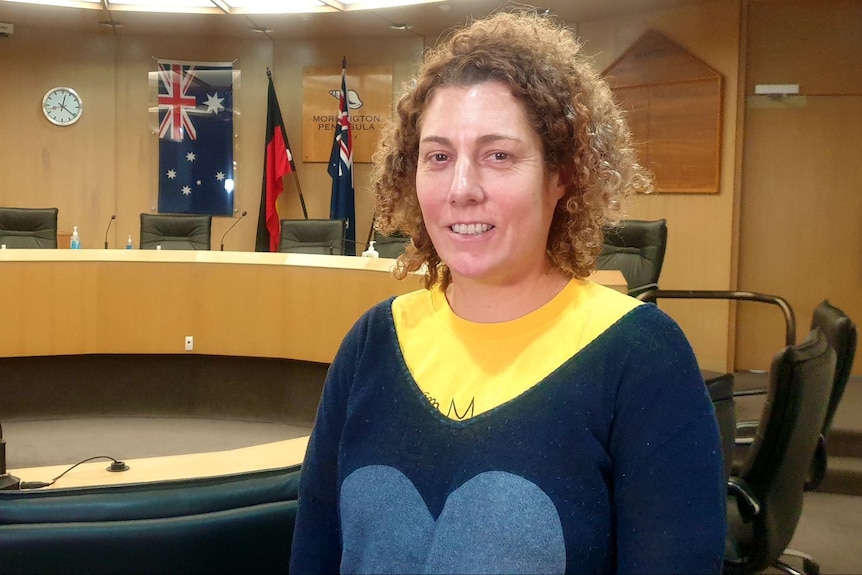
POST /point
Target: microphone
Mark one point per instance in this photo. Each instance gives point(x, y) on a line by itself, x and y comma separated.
point(115, 466)
point(10, 482)
point(7, 481)
point(111, 221)
point(241, 216)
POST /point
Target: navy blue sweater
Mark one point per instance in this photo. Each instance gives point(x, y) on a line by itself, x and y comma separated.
point(610, 464)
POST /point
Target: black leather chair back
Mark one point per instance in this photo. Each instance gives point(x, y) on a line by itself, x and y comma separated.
point(313, 236)
point(229, 524)
point(840, 332)
point(22, 228)
point(390, 246)
point(636, 248)
point(720, 387)
point(774, 475)
point(176, 231)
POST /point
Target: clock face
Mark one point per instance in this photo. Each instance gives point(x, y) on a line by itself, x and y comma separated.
point(62, 106)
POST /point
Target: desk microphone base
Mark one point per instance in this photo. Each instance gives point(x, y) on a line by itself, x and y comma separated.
point(9, 482)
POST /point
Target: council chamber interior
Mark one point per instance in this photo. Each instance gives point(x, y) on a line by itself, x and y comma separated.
point(98, 336)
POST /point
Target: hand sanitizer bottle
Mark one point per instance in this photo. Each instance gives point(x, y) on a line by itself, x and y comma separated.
point(129, 245)
point(370, 252)
point(75, 243)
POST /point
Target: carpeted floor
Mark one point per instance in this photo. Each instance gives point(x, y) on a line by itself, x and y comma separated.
point(39, 442)
point(829, 531)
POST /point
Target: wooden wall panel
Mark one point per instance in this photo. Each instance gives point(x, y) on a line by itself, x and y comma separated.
point(801, 213)
point(50, 166)
point(813, 43)
point(289, 60)
point(801, 201)
point(700, 249)
point(106, 163)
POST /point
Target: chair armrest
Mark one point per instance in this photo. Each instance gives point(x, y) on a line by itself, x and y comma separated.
point(749, 506)
point(781, 303)
point(638, 290)
point(745, 432)
point(818, 466)
point(746, 426)
point(748, 392)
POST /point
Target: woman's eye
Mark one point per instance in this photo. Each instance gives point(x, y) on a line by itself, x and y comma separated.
point(440, 157)
point(500, 156)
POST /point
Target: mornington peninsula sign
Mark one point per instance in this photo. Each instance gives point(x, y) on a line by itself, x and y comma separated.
point(369, 99)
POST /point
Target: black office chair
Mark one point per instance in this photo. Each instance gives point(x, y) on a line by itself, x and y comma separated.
point(313, 236)
point(22, 228)
point(176, 231)
point(735, 444)
point(636, 248)
point(720, 388)
point(840, 332)
point(768, 491)
point(390, 246)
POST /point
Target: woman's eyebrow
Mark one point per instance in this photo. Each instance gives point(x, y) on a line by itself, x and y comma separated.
point(485, 139)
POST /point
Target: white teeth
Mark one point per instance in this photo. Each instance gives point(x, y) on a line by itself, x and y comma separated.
point(471, 229)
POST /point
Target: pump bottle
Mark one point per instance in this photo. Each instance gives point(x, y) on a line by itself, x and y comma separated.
point(75, 242)
point(370, 252)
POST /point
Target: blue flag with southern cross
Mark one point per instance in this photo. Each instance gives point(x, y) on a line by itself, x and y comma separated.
point(195, 138)
point(342, 203)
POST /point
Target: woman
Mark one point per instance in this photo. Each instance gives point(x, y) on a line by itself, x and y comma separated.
point(512, 417)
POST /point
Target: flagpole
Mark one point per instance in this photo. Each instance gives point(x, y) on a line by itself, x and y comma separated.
point(371, 230)
point(301, 198)
point(342, 199)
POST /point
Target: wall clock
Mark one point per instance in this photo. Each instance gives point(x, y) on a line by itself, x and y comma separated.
point(62, 106)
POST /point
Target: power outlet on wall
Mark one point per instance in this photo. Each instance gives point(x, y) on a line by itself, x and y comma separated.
point(190, 343)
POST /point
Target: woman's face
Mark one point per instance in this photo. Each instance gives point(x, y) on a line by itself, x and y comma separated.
point(485, 199)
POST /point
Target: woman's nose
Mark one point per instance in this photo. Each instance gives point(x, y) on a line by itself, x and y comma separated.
point(465, 186)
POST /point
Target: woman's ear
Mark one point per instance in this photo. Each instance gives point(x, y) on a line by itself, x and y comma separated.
point(559, 182)
point(564, 174)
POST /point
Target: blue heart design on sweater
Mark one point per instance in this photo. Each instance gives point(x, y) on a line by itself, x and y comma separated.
point(496, 522)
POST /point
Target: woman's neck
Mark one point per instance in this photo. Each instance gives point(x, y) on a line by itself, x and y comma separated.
point(492, 303)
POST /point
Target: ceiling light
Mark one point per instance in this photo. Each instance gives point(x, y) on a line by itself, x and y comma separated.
point(230, 6)
point(64, 3)
point(375, 4)
point(276, 6)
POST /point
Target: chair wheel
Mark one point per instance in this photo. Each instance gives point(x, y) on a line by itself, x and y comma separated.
point(810, 567)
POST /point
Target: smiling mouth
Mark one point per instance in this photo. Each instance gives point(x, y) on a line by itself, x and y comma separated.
point(471, 229)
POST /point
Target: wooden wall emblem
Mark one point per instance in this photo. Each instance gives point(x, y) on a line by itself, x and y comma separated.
point(673, 101)
point(369, 99)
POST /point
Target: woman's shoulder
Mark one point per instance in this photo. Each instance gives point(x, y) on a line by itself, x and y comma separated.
point(636, 329)
point(607, 301)
point(378, 314)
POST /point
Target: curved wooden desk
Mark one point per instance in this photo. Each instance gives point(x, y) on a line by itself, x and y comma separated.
point(295, 306)
point(258, 305)
point(286, 453)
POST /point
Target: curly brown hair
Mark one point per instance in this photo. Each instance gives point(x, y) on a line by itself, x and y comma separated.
point(583, 133)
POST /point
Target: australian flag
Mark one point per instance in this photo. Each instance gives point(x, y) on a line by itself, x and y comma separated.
point(195, 138)
point(341, 203)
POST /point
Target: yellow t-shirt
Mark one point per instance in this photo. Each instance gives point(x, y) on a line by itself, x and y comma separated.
point(467, 368)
